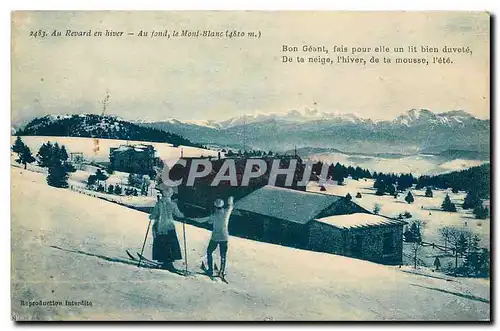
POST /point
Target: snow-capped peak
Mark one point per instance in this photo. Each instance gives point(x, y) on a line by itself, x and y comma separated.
point(414, 116)
point(294, 115)
point(423, 116)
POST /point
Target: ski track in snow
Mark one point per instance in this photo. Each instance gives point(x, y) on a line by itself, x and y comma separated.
point(266, 282)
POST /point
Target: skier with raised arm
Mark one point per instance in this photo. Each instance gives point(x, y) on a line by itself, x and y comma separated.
point(220, 234)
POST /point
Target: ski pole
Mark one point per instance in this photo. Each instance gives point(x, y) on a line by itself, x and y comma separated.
point(185, 245)
point(144, 244)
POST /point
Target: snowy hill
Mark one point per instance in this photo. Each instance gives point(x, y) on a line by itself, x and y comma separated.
point(68, 246)
point(417, 164)
point(97, 126)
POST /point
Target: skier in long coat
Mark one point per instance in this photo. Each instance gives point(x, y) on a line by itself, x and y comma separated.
point(220, 234)
point(166, 248)
point(437, 263)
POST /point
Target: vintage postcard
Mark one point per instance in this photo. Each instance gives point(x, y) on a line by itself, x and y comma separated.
point(250, 166)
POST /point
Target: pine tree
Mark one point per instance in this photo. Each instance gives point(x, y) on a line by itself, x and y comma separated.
point(63, 155)
point(481, 212)
point(484, 263)
point(118, 190)
point(58, 175)
point(132, 181)
point(409, 197)
point(358, 195)
point(458, 242)
point(348, 197)
point(45, 155)
point(24, 155)
point(471, 200)
point(100, 175)
point(18, 145)
point(413, 234)
point(390, 189)
point(92, 180)
point(111, 189)
point(447, 205)
point(428, 192)
point(55, 158)
point(462, 244)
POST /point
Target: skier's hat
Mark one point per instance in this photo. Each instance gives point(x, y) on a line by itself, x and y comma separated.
point(219, 203)
point(165, 190)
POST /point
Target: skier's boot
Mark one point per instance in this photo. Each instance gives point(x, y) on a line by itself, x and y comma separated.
point(210, 268)
point(222, 271)
point(169, 266)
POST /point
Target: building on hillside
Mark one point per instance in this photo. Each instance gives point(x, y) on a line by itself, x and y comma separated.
point(364, 236)
point(306, 220)
point(138, 159)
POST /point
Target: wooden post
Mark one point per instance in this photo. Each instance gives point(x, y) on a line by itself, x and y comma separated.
point(185, 247)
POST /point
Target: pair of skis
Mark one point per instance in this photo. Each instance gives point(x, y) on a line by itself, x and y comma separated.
point(149, 263)
point(152, 264)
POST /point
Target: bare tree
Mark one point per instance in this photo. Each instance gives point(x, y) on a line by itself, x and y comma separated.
point(445, 234)
point(459, 243)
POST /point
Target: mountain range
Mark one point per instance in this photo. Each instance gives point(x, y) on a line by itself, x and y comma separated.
point(412, 132)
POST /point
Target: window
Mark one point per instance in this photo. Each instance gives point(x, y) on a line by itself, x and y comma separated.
point(388, 243)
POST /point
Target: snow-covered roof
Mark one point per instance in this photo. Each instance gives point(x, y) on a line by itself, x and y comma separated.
point(122, 148)
point(286, 204)
point(137, 148)
point(358, 220)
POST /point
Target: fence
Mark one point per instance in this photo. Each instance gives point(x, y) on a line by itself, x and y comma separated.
point(105, 198)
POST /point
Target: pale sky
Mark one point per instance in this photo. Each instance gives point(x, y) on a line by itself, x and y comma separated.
point(197, 79)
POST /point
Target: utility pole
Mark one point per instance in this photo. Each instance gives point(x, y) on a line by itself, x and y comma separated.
point(105, 103)
point(244, 133)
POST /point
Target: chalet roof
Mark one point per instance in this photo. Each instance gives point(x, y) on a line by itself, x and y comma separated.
point(359, 220)
point(286, 204)
point(137, 148)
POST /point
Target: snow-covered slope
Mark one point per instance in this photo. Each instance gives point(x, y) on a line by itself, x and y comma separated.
point(418, 164)
point(98, 149)
point(64, 244)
